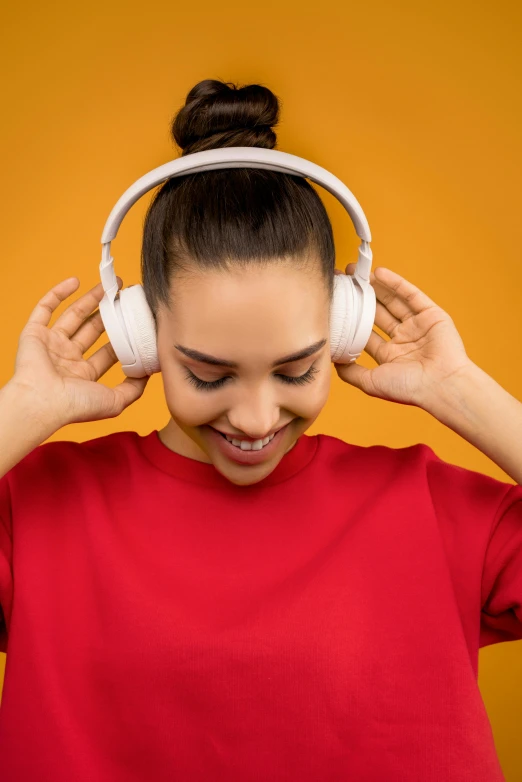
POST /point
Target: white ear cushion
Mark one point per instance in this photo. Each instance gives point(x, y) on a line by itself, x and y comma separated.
point(368, 306)
point(140, 326)
point(343, 316)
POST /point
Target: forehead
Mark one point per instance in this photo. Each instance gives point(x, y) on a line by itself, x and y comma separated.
point(273, 309)
point(286, 284)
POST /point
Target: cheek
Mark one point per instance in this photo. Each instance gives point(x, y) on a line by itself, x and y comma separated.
point(314, 397)
point(305, 401)
point(186, 404)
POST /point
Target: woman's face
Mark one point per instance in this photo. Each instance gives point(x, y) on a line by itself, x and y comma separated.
point(253, 319)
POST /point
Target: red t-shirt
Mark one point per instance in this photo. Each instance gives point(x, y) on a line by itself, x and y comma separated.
point(324, 624)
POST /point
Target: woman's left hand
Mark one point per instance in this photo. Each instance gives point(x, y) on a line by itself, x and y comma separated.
point(424, 349)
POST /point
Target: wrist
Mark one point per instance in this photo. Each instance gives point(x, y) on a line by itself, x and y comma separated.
point(30, 407)
point(452, 394)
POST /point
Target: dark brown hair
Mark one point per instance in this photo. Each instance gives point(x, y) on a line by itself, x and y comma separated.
point(242, 216)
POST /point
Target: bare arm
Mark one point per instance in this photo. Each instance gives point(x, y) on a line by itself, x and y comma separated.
point(22, 427)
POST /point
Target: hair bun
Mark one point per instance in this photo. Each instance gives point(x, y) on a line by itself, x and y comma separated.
point(220, 114)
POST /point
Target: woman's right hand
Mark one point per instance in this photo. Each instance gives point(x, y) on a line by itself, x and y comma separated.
point(50, 366)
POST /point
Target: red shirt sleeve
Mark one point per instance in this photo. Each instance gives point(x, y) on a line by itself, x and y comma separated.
point(480, 519)
point(501, 616)
point(6, 551)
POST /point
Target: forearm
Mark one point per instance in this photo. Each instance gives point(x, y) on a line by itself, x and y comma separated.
point(475, 406)
point(22, 426)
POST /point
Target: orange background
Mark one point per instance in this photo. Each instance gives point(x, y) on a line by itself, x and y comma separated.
point(416, 106)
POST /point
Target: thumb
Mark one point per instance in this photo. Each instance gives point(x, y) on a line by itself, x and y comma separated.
point(353, 374)
point(130, 390)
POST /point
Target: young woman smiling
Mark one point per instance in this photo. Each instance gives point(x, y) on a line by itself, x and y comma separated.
point(229, 598)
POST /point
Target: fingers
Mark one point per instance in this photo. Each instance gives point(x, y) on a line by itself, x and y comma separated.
point(90, 331)
point(43, 311)
point(103, 359)
point(354, 374)
point(73, 317)
point(374, 345)
point(400, 297)
point(129, 391)
point(385, 320)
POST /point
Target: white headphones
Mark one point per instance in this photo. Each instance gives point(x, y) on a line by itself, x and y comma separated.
point(128, 320)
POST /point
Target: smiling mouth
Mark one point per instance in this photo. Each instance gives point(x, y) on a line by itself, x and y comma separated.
point(246, 439)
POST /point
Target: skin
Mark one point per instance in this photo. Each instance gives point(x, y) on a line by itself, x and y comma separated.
point(239, 315)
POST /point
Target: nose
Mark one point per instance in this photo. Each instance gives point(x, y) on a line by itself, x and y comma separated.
point(254, 419)
point(253, 432)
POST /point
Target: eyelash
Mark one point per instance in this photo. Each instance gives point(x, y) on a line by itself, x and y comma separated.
point(204, 385)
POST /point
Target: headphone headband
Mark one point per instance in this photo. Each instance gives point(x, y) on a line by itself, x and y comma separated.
point(128, 320)
point(234, 157)
point(237, 157)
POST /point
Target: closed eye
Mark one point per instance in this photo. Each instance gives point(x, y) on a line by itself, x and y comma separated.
point(204, 385)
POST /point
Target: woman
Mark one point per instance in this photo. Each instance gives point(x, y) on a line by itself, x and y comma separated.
point(277, 607)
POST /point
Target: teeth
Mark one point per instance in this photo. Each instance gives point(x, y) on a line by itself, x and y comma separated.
point(254, 446)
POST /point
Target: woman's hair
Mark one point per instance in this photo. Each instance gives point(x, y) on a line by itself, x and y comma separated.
point(233, 217)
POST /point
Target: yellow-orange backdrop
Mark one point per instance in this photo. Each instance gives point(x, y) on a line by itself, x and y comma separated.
point(416, 106)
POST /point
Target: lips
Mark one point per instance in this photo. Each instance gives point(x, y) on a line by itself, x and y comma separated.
point(248, 439)
point(249, 456)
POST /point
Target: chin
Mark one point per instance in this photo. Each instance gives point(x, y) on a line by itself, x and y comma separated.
point(241, 476)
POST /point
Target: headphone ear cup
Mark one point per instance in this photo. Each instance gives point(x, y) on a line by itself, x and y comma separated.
point(141, 329)
point(343, 317)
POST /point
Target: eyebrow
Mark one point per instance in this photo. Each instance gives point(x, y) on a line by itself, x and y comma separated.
point(222, 362)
